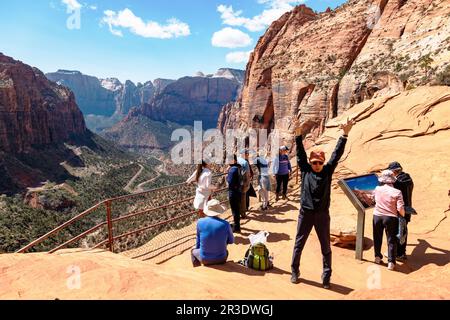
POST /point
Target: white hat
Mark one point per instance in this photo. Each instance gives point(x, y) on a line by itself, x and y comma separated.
point(214, 208)
point(387, 176)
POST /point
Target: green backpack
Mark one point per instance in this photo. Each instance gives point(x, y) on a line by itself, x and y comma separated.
point(257, 257)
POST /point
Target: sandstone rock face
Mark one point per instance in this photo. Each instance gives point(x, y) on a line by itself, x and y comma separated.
point(312, 67)
point(407, 47)
point(91, 96)
point(192, 99)
point(161, 84)
point(232, 74)
point(34, 111)
point(104, 102)
point(411, 127)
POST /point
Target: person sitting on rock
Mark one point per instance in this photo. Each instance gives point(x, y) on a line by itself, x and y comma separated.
point(213, 236)
point(388, 204)
point(405, 184)
point(315, 199)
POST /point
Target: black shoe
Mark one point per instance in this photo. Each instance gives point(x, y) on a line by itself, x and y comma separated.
point(294, 277)
point(326, 285)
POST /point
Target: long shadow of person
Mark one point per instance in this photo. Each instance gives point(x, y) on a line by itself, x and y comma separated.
point(420, 258)
point(334, 287)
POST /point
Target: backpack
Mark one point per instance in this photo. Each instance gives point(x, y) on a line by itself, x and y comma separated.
point(257, 257)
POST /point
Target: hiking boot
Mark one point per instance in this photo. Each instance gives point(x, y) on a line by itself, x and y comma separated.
point(294, 277)
point(402, 258)
point(391, 266)
point(378, 260)
point(326, 284)
point(277, 198)
point(284, 197)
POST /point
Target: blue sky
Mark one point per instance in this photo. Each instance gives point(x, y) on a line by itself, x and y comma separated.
point(136, 39)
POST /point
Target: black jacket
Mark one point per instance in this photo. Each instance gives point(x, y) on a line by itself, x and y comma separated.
point(405, 184)
point(316, 187)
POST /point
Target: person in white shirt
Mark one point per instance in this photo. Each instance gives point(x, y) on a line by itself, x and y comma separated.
point(263, 178)
point(203, 177)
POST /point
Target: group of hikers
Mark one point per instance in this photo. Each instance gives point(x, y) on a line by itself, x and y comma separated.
point(392, 203)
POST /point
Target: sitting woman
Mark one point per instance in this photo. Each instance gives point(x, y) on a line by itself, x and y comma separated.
point(388, 205)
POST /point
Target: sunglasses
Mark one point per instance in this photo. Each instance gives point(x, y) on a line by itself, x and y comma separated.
point(317, 163)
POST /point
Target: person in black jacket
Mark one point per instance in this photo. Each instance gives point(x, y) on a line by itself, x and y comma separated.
point(315, 200)
point(405, 184)
point(234, 193)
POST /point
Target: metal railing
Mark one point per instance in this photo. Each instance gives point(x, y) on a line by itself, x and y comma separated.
point(120, 202)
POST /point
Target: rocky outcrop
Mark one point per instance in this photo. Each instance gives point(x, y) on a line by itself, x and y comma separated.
point(104, 96)
point(34, 112)
point(91, 96)
point(192, 99)
point(161, 84)
point(312, 67)
point(407, 47)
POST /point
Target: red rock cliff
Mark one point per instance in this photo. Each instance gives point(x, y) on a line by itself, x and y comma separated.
point(314, 66)
point(33, 110)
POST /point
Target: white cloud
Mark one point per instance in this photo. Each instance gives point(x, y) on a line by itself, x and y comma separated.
point(231, 38)
point(274, 10)
point(93, 7)
point(128, 20)
point(72, 5)
point(238, 56)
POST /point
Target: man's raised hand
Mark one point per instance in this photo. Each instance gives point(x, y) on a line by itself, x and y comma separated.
point(347, 127)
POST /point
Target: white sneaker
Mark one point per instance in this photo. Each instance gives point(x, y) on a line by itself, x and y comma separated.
point(391, 266)
point(378, 260)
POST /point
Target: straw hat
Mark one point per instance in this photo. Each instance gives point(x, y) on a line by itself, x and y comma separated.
point(214, 208)
point(387, 176)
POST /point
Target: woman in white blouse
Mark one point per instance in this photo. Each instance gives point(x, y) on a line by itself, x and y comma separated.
point(203, 177)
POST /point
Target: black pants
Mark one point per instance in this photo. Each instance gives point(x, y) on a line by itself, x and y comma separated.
point(321, 223)
point(390, 224)
point(401, 248)
point(282, 179)
point(235, 204)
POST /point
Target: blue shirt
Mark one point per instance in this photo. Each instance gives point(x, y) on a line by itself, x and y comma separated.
point(213, 236)
point(281, 165)
point(233, 180)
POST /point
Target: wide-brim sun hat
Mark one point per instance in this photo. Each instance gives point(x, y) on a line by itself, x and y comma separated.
point(387, 176)
point(214, 208)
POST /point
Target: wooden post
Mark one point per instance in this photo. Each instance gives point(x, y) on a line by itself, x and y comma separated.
point(110, 229)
